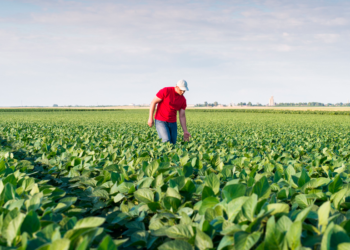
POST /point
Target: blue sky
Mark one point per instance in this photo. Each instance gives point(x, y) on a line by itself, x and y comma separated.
point(120, 52)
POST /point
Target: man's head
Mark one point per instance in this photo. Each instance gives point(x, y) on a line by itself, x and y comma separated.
point(181, 87)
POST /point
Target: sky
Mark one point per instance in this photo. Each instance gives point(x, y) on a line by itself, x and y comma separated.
point(104, 52)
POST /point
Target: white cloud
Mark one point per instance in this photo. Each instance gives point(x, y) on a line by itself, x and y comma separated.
point(327, 38)
point(102, 43)
point(284, 47)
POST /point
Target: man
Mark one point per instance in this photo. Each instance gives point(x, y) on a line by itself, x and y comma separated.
point(170, 100)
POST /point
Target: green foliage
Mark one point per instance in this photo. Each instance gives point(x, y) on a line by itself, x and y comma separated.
point(103, 180)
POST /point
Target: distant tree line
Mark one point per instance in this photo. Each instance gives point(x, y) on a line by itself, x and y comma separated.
point(282, 104)
point(206, 104)
point(248, 104)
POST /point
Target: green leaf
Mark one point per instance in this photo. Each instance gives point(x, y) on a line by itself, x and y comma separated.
point(13, 228)
point(8, 193)
point(178, 182)
point(208, 203)
point(234, 191)
point(60, 244)
point(303, 214)
point(176, 245)
point(338, 197)
point(50, 232)
point(262, 188)
point(101, 193)
point(304, 178)
point(31, 223)
point(234, 207)
point(138, 238)
point(28, 184)
point(248, 208)
point(171, 192)
point(154, 206)
point(293, 235)
point(189, 188)
point(187, 170)
point(278, 208)
point(34, 202)
point(339, 235)
point(273, 238)
point(283, 224)
point(213, 182)
point(107, 244)
point(145, 182)
point(315, 183)
point(343, 246)
point(10, 179)
point(172, 199)
point(184, 160)
point(144, 195)
point(158, 181)
point(118, 198)
point(180, 232)
point(126, 187)
point(289, 172)
point(13, 204)
point(152, 168)
point(216, 161)
point(185, 219)
point(303, 201)
point(171, 203)
point(326, 239)
point(2, 167)
point(323, 215)
point(202, 240)
point(207, 192)
point(89, 222)
point(245, 241)
point(336, 185)
point(226, 241)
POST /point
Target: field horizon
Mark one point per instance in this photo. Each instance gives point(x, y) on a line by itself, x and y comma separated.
point(218, 108)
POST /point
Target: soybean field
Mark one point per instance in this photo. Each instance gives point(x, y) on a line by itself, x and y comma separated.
point(103, 180)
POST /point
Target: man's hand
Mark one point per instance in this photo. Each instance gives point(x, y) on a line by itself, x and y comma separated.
point(187, 136)
point(150, 122)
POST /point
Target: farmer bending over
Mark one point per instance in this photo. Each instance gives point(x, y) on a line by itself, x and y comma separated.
point(170, 100)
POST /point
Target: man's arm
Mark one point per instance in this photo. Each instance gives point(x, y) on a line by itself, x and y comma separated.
point(182, 115)
point(151, 110)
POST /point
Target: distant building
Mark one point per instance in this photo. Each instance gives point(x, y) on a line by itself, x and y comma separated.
point(271, 101)
point(55, 105)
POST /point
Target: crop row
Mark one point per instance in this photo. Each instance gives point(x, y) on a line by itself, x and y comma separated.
point(24, 110)
point(245, 181)
point(274, 111)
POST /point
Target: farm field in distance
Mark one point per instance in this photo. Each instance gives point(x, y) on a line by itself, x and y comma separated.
point(103, 180)
point(312, 108)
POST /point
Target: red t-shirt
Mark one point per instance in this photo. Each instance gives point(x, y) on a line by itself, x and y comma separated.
point(170, 104)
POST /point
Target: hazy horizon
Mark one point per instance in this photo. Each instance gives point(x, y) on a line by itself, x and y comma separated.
point(75, 52)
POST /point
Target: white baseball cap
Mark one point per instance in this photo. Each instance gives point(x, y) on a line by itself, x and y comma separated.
point(182, 84)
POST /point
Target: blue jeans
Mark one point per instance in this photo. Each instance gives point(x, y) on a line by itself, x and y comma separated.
point(167, 131)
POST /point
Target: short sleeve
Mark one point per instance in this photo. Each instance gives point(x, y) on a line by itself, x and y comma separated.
point(162, 93)
point(184, 105)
